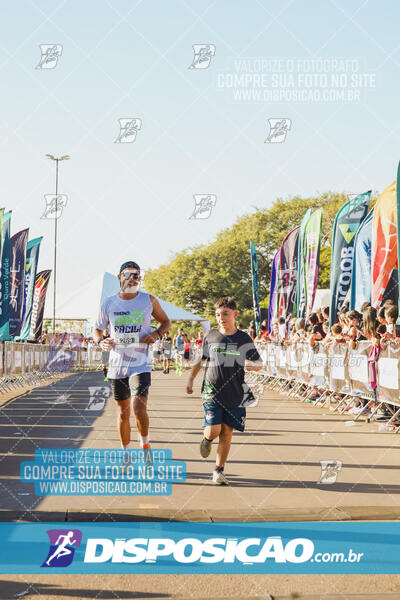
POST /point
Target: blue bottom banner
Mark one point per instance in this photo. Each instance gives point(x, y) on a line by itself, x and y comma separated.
point(186, 548)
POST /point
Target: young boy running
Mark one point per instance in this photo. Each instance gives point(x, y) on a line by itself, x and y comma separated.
point(227, 351)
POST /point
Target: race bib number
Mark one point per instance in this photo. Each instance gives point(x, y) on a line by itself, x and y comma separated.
point(127, 339)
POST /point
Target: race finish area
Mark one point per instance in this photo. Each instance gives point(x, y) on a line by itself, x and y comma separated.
point(274, 470)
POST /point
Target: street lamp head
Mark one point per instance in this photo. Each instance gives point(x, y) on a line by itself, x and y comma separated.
point(64, 157)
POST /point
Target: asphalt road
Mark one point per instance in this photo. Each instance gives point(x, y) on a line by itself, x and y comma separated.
point(274, 468)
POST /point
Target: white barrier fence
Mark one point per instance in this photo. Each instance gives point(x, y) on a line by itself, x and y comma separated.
point(339, 372)
point(22, 363)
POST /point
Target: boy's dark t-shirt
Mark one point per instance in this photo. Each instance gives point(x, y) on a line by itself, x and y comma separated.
point(224, 371)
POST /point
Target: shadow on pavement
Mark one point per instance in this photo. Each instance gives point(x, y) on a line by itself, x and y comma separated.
point(15, 589)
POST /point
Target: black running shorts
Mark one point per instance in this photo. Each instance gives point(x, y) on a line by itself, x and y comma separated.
point(135, 385)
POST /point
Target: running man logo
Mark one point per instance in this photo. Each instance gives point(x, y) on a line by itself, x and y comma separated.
point(278, 129)
point(128, 130)
point(203, 205)
point(203, 54)
point(50, 55)
point(61, 551)
point(54, 206)
point(249, 398)
point(98, 396)
point(329, 471)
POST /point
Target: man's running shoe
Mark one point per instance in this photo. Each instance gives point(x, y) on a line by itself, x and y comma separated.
point(106, 379)
point(148, 457)
point(219, 478)
point(205, 447)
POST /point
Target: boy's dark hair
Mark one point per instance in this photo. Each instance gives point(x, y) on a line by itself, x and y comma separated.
point(337, 329)
point(325, 310)
point(392, 312)
point(313, 318)
point(281, 320)
point(225, 302)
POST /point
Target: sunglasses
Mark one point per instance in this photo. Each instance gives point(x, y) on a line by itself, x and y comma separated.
point(129, 274)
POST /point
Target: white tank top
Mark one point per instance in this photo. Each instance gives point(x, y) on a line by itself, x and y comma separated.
point(127, 322)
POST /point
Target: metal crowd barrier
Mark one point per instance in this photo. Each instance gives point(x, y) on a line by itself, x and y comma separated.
point(340, 374)
point(24, 364)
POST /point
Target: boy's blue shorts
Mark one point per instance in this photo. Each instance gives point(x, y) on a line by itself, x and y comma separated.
point(216, 413)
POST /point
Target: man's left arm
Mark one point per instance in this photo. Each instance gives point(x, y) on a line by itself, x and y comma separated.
point(162, 319)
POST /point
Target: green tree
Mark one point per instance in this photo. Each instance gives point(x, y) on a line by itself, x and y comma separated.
point(196, 277)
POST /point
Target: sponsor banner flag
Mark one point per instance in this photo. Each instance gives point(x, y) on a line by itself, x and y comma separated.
point(398, 235)
point(198, 548)
point(18, 243)
point(384, 243)
point(347, 222)
point(288, 271)
point(312, 243)
point(32, 257)
point(5, 277)
point(39, 297)
point(273, 291)
point(254, 278)
point(301, 292)
point(360, 290)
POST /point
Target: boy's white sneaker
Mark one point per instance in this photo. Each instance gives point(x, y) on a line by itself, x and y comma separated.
point(219, 478)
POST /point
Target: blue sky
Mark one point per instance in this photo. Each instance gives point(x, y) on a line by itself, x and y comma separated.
point(125, 59)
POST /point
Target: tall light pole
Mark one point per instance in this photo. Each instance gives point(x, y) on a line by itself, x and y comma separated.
point(57, 160)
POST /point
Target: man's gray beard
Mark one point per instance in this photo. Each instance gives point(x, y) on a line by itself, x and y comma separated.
point(131, 289)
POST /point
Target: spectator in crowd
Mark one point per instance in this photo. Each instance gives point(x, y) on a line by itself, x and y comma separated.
point(282, 332)
point(299, 331)
point(252, 330)
point(369, 322)
point(186, 351)
point(364, 306)
point(274, 335)
point(199, 339)
point(166, 346)
point(325, 312)
point(391, 314)
point(381, 316)
point(317, 332)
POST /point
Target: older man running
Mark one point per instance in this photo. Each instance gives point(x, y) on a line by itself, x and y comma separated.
point(127, 316)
